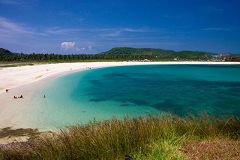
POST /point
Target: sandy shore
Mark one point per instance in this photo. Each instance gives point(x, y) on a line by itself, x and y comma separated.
point(26, 79)
point(13, 77)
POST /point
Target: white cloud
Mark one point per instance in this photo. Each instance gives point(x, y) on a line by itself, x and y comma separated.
point(68, 45)
point(135, 30)
point(216, 29)
point(10, 2)
point(11, 27)
point(112, 34)
point(59, 31)
point(116, 32)
point(8, 26)
point(89, 47)
point(108, 32)
point(83, 49)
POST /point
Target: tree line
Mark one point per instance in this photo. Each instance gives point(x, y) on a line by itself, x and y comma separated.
point(115, 54)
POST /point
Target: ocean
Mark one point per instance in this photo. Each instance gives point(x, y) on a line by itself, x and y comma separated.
point(117, 92)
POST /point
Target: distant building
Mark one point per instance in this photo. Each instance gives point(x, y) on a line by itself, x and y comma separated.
point(146, 60)
point(220, 57)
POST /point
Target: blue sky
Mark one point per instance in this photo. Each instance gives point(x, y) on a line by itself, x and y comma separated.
point(91, 26)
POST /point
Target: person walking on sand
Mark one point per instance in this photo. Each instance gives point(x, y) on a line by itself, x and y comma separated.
point(6, 90)
point(21, 96)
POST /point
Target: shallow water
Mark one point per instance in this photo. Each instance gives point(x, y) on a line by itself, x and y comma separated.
point(137, 90)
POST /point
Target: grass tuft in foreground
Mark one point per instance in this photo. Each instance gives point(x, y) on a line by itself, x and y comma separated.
point(146, 138)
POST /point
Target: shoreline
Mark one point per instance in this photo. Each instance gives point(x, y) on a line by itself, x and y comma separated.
point(13, 77)
point(27, 80)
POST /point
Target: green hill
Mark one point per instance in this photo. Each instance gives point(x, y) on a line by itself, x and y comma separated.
point(6, 55)
point(5, 52)
point(138, 51)
point(158, 54)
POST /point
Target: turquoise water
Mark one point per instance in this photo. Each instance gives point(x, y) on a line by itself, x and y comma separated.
point(138, 90)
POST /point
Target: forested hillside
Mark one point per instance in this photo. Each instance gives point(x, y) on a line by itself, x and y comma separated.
point(117, 54)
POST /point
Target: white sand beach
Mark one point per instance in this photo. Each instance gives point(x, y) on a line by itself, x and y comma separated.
point(25, 80)
point(13, 77)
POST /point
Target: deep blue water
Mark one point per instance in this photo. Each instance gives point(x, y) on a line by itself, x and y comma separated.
point(140, 90)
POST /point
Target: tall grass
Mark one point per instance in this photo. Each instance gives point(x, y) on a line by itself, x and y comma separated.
point(164, 149)
point(139, 137)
